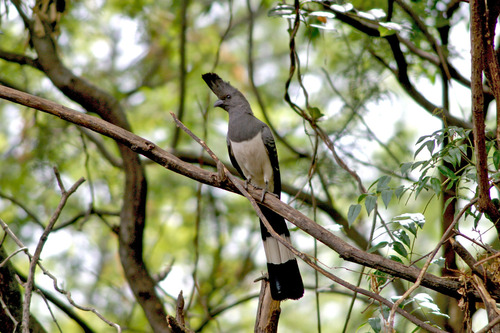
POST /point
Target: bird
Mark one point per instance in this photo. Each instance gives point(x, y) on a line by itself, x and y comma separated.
point(252, 151)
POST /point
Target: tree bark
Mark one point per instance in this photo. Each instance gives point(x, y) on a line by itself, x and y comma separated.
point(268, 311)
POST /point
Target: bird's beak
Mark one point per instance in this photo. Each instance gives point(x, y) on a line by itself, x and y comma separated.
point(218, 103)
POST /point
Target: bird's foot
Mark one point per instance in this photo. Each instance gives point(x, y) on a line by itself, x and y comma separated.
point(247, 181)
point(264, 191)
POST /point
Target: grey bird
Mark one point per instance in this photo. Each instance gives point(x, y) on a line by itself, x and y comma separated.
point(252, 151)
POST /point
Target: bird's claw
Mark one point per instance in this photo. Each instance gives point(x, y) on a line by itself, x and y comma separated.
point(264, 191)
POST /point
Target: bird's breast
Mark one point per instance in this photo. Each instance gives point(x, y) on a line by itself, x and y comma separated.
point(253, 159)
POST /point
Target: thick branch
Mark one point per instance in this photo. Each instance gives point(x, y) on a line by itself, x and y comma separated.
point(133, 213)
point(478, 51)
point(160, 156)
point(371, 29)
point(20, 59)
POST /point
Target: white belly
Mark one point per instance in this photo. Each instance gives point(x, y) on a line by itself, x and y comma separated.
point(254, 161)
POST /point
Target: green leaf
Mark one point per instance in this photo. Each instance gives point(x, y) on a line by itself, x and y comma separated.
point(457, 155)
point(377, 247)
point(396, 258)
point(322, 14)
point(421, 185)
point(315, 112)
point(422, 146)
point(392, 26)
point(382, 183)
point(370, 203)
point(342, 8)
point(383, 31)
point(425, 301)
point(362, 196)
point(445, 171)
point(496, 159)
point(406, 167)
point(430, 146)
point(380, 277)
point(386, 197)
point(417, 164)
point(375, 324)
point(410, 221)
point(422, 138)
point(411, 227)
point(281, 10)
point(435, 185)
point(388, 28)
point(353, 213)
point(450, 159)
point(400, 249)
point(402, 236)
point(399, 191)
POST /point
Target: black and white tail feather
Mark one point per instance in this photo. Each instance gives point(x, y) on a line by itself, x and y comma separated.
point(252, 151)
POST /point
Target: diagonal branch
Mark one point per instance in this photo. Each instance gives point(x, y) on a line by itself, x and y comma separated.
point(299, 254)
point(150, 150)
point(38, 251)
point(18, 242)
point(133, 210)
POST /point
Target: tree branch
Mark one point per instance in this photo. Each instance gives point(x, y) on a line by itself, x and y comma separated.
point(19, 59)
point(148, 149)
point(478, 52)
point(133, 213)
point(25, 326)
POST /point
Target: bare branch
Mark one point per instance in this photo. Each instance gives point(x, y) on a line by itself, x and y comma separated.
point(54, 279)
point(478, 52)
point(489, 303)
point(23, 207)
point(182, 68)
point(304, 257)
point(112, 159)
point(20, 59)
point(38, 251)
point(153, 152)
point(268, 312)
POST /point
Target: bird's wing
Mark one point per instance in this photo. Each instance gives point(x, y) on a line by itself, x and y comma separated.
point(268, 139)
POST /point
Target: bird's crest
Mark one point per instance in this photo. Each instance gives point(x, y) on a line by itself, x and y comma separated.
point(219, 87)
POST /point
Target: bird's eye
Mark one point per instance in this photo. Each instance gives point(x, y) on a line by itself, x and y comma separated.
point(227, 97)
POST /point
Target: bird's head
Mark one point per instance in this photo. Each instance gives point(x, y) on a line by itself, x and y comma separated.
point(230, 99)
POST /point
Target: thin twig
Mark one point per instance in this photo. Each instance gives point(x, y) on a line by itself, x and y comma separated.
point(224, 35)
point(22, 249)
point(445, 236)
point(182, 67)
point(55, 282)
point(260, 101)
point(23, 207)
point(304, 257)
point(489, 303)
point(5, 308)
point(38, 251)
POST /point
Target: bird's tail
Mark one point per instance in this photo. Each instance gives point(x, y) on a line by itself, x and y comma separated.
point(284, 275)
